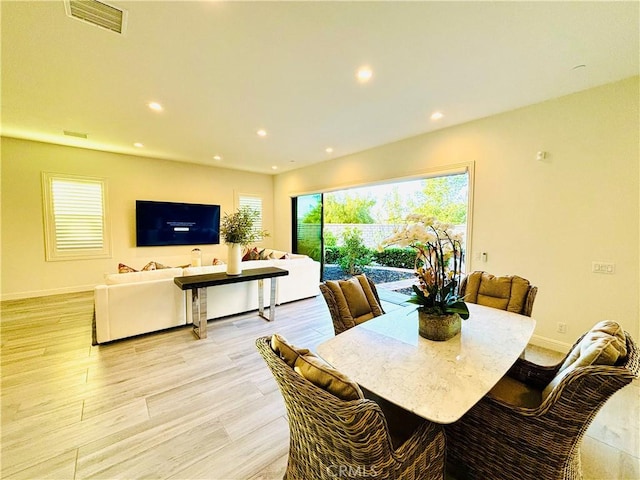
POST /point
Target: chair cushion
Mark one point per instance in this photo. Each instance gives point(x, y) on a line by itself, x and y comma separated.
point(505, 293)
point(315, 370)
point(604, 344)
point(286, 351)
point(355, 299)
point(513, 392)
point(322, 375)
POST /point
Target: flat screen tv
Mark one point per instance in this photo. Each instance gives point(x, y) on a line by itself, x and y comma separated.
point(168, 223)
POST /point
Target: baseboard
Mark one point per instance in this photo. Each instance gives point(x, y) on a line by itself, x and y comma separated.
point(550, 344)
point(46, 293)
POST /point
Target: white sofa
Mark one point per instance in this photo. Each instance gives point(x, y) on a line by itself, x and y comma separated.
point(134, 303)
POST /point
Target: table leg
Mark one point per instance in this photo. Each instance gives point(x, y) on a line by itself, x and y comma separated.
point(199, 311)
point(261, 298)
point(272, 300)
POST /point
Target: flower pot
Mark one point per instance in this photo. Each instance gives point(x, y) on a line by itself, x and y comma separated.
point(234, 259)
point(438, 327)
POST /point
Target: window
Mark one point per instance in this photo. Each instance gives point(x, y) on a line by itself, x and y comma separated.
point(254, 202)
point(75, 220)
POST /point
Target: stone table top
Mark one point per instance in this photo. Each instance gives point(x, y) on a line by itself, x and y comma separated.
point(439, 381)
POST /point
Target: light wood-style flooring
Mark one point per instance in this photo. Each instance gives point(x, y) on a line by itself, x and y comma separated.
point(169, 406)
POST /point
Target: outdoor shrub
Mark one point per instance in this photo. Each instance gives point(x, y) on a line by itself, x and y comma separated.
point(331, 254)
point(309, 248)
point(354, 254)
point(396, 257)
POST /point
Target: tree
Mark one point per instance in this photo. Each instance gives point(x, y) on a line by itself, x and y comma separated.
point(392, 208)
point(444, 198)
point(343, 208)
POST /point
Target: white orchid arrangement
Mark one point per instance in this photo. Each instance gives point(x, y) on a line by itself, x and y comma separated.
point(438, 265)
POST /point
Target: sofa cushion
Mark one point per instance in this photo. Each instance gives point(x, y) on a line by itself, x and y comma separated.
point(118, 278)
point(604, 344)
point(204, 269)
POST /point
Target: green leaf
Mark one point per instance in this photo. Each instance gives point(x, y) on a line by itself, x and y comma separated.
point(460, 308)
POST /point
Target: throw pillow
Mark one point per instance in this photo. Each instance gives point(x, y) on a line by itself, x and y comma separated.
point(604, 344)
point(284, 257)
point(122, 268)
point(251, 254)
point(264, 254)
point(153, 266)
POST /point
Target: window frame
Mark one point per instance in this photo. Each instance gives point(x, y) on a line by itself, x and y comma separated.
point(53, 252)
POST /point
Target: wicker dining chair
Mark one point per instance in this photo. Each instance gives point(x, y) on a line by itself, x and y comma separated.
point(351, 301)
point(497, 439)
point(332, 438)
point(512, 293)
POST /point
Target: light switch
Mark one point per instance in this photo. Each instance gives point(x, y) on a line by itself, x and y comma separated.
point(603, 267)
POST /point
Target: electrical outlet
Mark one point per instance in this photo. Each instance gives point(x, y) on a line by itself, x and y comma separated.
point(562, 327)
point(603, 267)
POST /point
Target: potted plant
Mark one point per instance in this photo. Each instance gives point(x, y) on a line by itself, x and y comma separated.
point(238, 230)
point(438, 264)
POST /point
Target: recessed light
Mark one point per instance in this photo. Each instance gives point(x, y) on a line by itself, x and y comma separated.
point(274, 167)
point(262, 133)
point(329, 150)
point(138, 144)
point(217, 157)
point(437, 115)
point(155, 106)
point(364, 74)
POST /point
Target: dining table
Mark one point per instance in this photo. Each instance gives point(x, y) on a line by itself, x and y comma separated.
point(437, 380)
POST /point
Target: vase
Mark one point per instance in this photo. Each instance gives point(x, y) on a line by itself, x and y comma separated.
point(438, 327)
point(234, 259)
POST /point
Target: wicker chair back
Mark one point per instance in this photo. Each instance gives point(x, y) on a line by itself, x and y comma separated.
point(339, 324)
point(498, 440)
point(332, 438)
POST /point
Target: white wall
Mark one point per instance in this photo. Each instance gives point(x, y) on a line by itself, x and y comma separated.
point(543, 220)
point(25, 272)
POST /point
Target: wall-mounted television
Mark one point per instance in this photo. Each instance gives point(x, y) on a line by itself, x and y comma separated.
point(169, 223)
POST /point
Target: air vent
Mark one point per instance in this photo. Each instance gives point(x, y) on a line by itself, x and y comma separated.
point(69, 133)
point(97, 13)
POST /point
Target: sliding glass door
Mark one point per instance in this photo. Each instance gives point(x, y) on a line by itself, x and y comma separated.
point(307, 225)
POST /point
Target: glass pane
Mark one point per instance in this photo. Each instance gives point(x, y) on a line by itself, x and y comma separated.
point(307, 214)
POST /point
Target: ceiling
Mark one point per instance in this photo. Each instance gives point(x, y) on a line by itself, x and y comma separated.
point(223, 70)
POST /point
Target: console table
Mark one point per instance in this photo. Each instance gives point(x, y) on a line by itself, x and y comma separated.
point(198, 285)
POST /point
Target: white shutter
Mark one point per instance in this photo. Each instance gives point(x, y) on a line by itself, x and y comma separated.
point(75, 217)
point(254, 202)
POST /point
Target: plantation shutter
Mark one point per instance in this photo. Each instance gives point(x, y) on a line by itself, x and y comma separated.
point(76, 217)
point(254, 203)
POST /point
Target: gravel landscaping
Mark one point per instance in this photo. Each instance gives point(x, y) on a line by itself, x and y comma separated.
point(377, 274)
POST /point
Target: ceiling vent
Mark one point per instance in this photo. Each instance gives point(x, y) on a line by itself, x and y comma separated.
point(69, 133)
point(97, 13)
